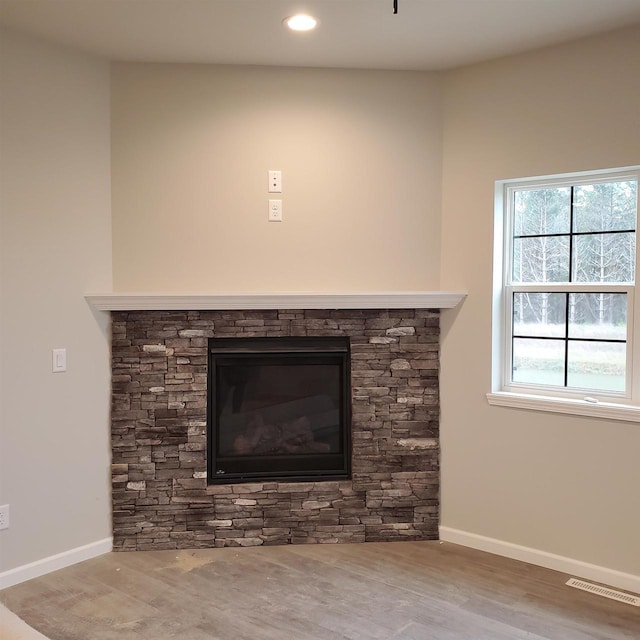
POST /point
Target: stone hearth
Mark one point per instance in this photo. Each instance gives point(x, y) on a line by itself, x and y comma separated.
point(161, 499)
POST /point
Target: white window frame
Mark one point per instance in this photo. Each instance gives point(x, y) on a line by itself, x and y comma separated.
point(612, 405)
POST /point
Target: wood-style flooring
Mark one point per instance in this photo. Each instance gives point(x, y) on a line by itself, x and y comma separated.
point(372, 591)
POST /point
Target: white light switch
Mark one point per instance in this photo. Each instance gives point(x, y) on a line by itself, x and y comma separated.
point(59, 360)
point(275, 181)
point(275, 210)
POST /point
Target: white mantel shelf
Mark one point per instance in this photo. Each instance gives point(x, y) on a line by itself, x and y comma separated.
point(250, 301)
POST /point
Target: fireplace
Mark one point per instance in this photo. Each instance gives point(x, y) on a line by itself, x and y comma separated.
point(165, 495)
point(278, 409)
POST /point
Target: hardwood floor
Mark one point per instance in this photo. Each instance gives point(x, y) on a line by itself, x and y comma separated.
point(372, 591)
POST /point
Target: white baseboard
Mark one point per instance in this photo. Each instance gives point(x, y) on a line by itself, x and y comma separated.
point(53, 563)
point(611, 577)
point(577, 568)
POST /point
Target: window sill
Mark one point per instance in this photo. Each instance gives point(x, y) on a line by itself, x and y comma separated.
point(608, 410)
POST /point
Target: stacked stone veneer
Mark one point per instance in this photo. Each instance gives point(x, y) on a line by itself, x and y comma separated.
point(161, 499)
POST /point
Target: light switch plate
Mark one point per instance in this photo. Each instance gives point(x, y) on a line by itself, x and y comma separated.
point(59, 360)
point(275, 181)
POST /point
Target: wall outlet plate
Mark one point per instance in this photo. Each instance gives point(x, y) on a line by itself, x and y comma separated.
point(4, 516)
point(275, 210)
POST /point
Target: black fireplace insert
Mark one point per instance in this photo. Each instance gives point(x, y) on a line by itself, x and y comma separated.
point(278, 409)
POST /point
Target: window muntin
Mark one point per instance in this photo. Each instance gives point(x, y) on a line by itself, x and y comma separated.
point(568, 291)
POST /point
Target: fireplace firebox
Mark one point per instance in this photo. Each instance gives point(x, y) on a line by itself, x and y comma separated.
point(278, 409)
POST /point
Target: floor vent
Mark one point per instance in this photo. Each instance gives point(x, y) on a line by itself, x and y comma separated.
point(604, 591)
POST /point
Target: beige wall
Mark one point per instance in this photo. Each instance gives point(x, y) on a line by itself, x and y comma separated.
point(54, 246)
point(360, 153)
point(563, 485)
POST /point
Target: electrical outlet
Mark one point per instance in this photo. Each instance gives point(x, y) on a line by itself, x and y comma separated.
point(275, 210)
point(4, 516)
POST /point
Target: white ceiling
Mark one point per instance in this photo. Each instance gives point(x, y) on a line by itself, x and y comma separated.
point(426, 34)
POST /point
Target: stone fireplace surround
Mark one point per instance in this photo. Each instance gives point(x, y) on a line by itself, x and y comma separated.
point(161, 499)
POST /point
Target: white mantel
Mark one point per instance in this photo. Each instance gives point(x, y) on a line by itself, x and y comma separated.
point(249, 301)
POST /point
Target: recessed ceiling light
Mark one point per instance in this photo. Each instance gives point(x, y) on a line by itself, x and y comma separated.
point(301, 22)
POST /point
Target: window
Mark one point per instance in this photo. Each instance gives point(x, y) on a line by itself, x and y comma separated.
point(565, 275)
